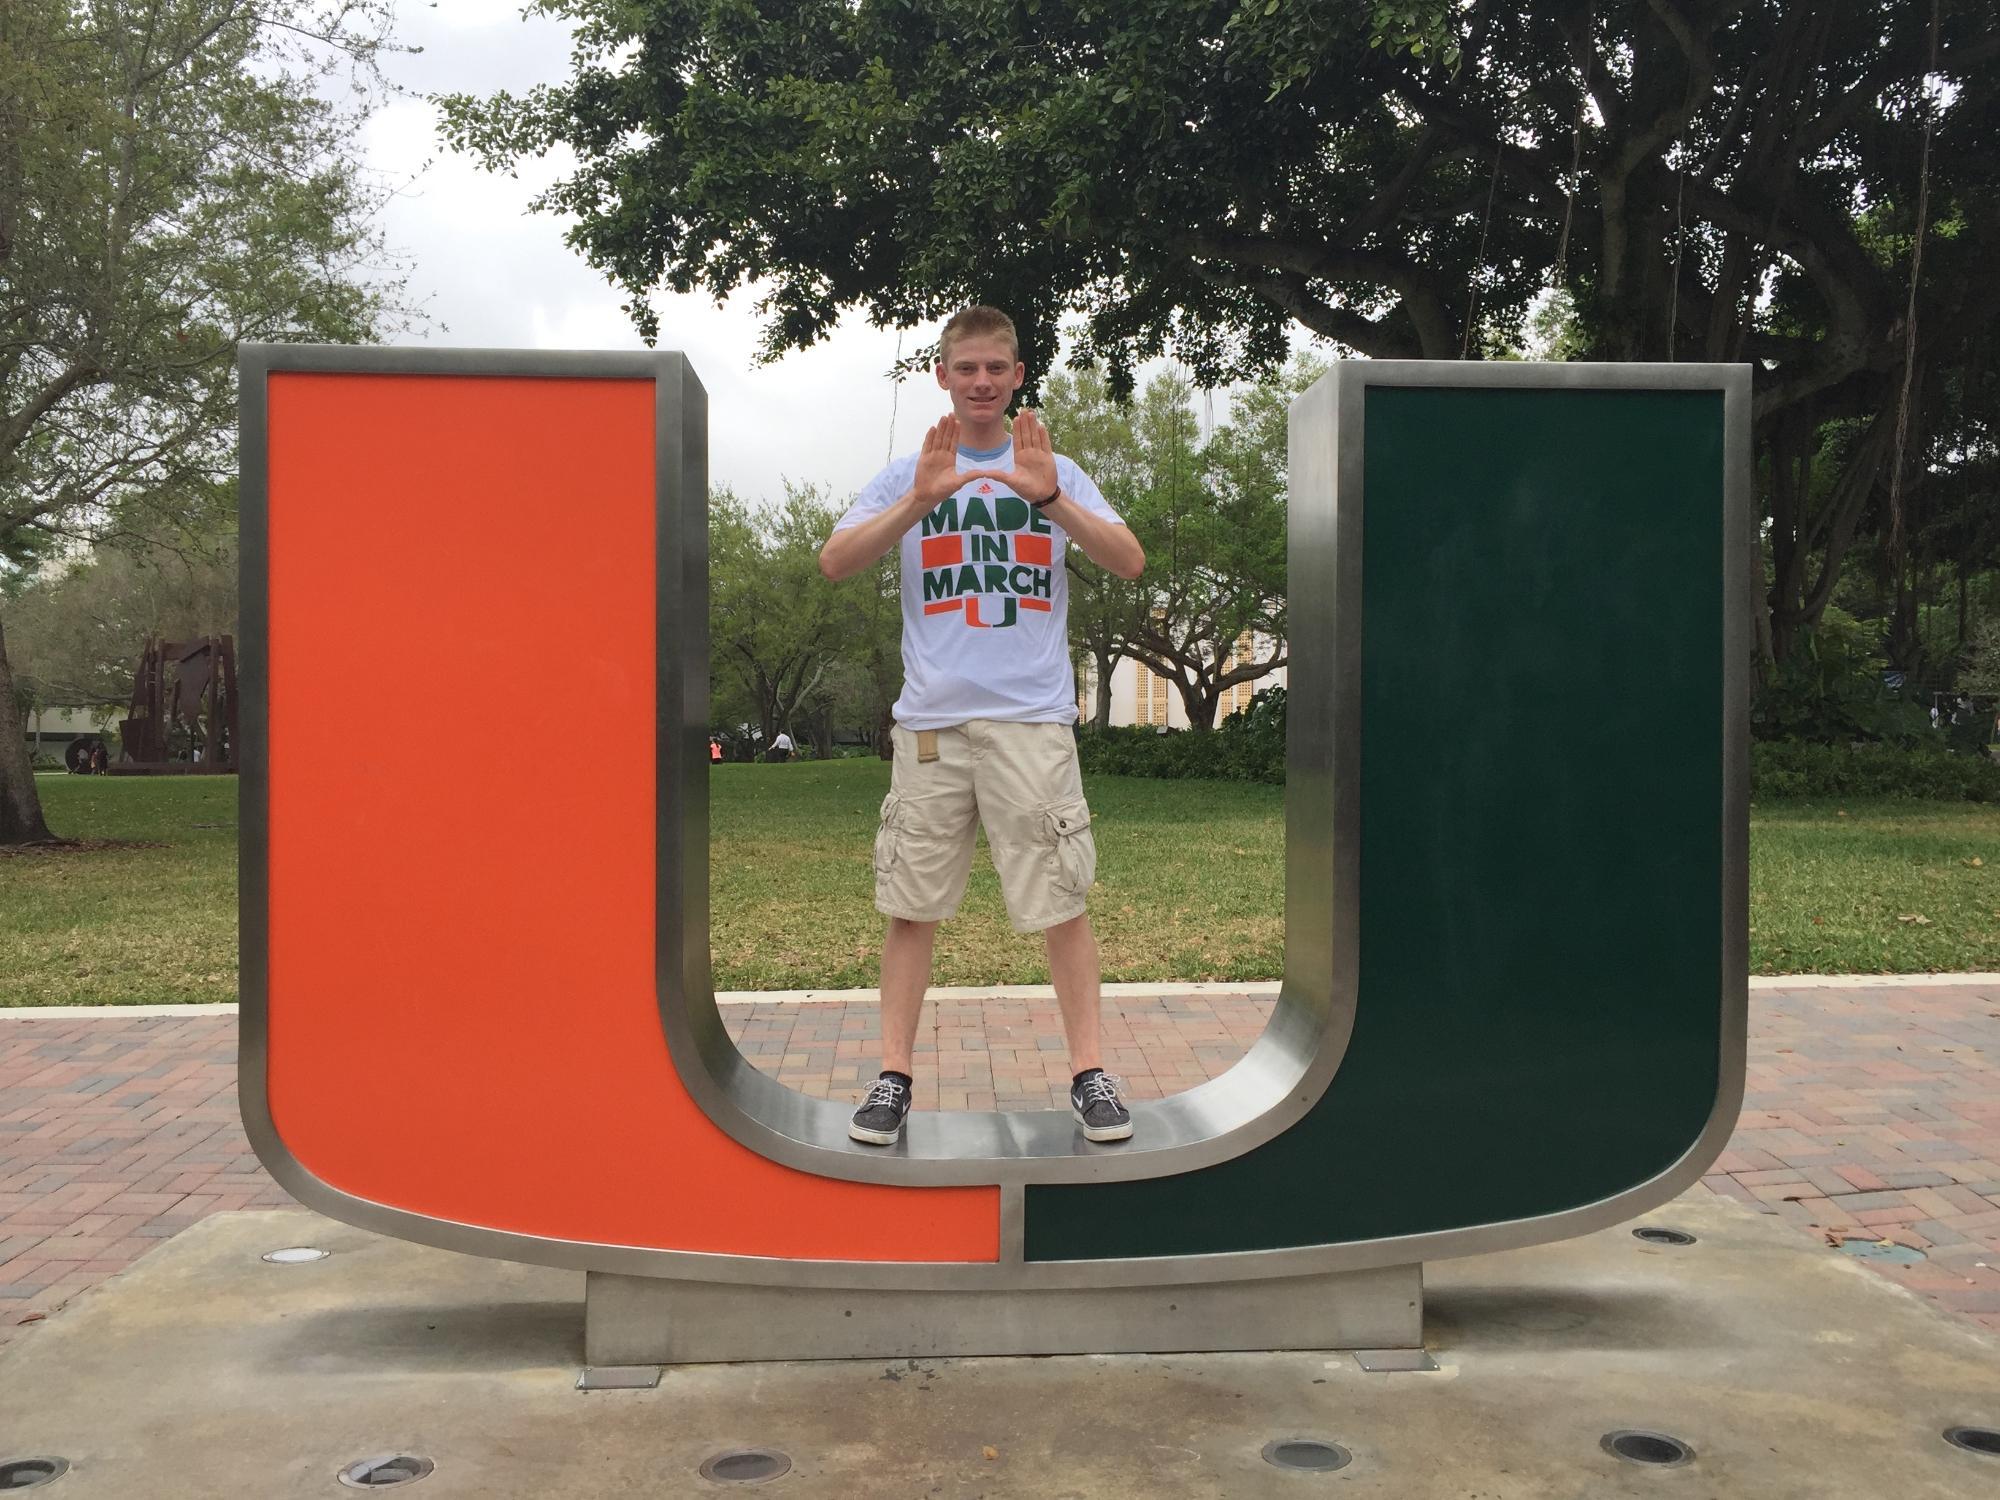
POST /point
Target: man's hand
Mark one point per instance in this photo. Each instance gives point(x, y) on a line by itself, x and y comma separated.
point(937, 465)
point(1033, 476)
point(849, 551)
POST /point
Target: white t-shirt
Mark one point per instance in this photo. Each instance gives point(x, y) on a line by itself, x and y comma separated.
point(985, 597)
point(782, 742)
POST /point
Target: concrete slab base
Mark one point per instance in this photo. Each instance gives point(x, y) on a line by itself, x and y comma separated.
point(631, 1320)
point(1790, 1370)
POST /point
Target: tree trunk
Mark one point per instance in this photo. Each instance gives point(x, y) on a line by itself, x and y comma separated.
point(20, 805)
point(1101, 709)
point(885, 742)
point(1760, 612)
point(1905, 644)
point(1200, 698)
point(767, 715)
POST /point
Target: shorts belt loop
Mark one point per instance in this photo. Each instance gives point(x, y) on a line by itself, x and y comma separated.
point(927, 745)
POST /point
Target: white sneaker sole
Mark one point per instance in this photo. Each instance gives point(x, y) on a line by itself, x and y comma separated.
point(869, 1137)
point(1102, 1132)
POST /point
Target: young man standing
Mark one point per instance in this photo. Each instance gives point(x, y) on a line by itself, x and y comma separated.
point(983, 730)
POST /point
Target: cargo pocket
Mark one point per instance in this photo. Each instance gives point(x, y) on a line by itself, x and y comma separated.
point(888, 837)
point(1068, 828)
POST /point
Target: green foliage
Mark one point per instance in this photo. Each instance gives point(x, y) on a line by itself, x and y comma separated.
point(1785, 770)
point(1211, 516)
point(785, 642)
point(173, 186)
point(75, 637)
point(904, 159)
point(1247, 746)
point(171, 183)
point(1829, 691)
point(1618, 181)
point(1982, 667)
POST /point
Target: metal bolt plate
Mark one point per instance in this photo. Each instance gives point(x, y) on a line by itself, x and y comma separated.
point(1388, 1361)
point(618, 1378)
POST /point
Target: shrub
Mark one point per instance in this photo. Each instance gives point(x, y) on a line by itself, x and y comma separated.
point(1829, 691)
point(1799, 769)
point(1246, 746)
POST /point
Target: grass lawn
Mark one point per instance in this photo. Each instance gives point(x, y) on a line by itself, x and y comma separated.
point(1190, 886)
point(1874, 887)
point(124, 926)
point(1190, 883)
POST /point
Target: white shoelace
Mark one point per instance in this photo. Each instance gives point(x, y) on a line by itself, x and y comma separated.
point(1102, 1086)
point(882, 1091)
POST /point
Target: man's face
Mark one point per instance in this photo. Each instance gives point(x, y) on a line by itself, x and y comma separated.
point(982, 375)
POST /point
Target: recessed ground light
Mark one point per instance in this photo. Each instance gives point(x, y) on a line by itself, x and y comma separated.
point(1654, 1235)
point(296, 1255)
point(385, 1470)
point(1654, 1449)
point(746, 1466)
point(1894, 1254)
point(1981, 1440)
point(1307, 1455)
point(30, 1473)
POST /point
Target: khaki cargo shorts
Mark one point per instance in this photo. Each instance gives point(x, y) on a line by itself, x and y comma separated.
point(1022, 782)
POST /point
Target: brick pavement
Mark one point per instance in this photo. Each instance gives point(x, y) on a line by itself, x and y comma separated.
point(1871, 1112)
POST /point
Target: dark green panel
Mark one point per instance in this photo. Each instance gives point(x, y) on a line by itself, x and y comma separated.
point(1539, 1012)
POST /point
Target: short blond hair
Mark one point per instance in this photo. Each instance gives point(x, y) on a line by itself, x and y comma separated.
point(976, 323)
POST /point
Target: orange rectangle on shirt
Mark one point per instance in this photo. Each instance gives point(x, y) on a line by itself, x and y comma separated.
point(1033, 549)
point(943, 551)
point(943, 606)
point(1041, 604)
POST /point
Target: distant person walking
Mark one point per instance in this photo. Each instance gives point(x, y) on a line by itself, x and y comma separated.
point(781, 747)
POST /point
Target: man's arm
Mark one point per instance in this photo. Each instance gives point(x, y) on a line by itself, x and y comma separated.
point(1108, 544)
point(858, 547)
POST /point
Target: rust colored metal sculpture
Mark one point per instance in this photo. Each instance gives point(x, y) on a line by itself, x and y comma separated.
point(183, 715)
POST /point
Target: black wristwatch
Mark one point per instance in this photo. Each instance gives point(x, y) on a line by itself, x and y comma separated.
point(1044, 504)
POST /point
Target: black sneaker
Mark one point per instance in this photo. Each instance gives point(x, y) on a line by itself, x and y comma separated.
point(880, 1119)
point(1093, 1099)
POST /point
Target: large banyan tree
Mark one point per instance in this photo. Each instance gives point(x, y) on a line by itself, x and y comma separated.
point(1692, 180)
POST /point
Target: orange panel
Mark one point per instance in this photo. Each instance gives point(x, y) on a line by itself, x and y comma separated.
point(461, 689)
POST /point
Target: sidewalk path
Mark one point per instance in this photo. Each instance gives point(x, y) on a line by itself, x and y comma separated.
point(1871, 1112)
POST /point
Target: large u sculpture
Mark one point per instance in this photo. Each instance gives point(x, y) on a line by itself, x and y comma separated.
point(477, 1006)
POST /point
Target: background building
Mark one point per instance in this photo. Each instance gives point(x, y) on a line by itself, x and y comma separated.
point(1139, 695)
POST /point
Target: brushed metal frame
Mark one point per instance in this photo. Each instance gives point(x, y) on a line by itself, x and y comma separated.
point(1284, 1073)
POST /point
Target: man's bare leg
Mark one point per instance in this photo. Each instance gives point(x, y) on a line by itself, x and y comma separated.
point(1073, 965)
point(906, 974)
point(1075, 971)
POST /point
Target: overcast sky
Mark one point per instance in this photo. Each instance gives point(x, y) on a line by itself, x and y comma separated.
point(495, 275)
